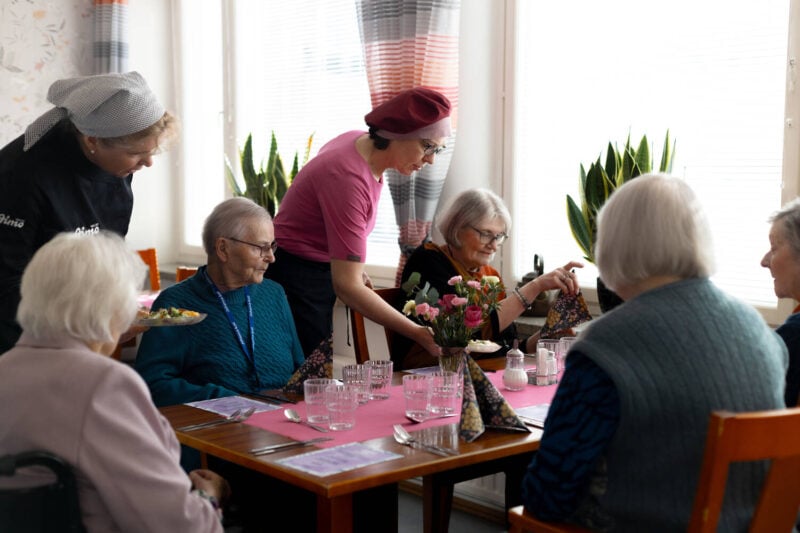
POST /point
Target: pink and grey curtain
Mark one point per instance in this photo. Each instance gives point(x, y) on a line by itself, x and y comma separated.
point(110, 46)
point(413, 43)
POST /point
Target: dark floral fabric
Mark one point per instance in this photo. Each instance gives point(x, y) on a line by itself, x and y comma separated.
point(483, 406)
point(319, 364)
point(567, 311)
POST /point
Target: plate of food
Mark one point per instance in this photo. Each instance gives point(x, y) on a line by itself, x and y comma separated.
point(172, 316)
point(482, 346)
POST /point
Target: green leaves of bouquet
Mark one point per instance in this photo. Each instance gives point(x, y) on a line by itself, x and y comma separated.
point(454, 317)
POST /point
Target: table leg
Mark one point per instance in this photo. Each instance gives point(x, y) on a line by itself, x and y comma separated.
point(335, 515)
point(437, 502)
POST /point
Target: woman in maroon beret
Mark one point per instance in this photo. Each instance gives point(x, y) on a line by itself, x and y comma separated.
point(330, 210)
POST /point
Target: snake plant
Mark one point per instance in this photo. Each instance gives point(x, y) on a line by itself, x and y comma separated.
point(266, 185)
point(599, 182)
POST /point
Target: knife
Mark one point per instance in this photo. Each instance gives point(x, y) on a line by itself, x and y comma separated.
point(264, 450)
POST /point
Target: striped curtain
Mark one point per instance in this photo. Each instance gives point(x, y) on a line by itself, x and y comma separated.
point(110, 36)
point(407, 44)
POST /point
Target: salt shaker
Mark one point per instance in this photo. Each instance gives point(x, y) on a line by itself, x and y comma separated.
point(541, 366)
point(514, 376)
point(552, 369)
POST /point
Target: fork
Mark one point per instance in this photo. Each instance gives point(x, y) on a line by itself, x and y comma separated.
point(236, 416)
point(404, 437)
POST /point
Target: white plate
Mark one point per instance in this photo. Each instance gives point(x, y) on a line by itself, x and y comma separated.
point(482, 346)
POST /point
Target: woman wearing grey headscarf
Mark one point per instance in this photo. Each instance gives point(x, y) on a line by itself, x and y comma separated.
point(72, 171)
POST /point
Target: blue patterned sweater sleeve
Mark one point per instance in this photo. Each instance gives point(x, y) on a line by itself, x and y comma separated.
point(581, 422)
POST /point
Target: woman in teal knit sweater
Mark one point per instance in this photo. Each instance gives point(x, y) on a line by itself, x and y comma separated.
point(248, 341)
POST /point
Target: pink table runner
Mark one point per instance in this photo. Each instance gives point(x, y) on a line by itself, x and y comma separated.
point(376, 418)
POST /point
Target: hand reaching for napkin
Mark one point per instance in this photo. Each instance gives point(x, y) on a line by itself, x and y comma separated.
point(319, 364)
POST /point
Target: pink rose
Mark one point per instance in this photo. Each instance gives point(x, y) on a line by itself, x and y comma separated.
point(422, 309)
point(474, 284)
point(447, 301)
point(473, 316)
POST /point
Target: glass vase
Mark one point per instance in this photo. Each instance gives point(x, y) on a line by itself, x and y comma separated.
point(453, 358)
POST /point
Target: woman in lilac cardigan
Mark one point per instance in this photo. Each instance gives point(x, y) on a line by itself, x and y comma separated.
point(71, 399)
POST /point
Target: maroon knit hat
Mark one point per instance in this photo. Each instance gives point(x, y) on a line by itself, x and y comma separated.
point(418, 113)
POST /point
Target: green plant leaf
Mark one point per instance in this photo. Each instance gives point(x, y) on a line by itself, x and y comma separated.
point(230, 177)
point(667, 153)
point(580, 228)
point(642, 157)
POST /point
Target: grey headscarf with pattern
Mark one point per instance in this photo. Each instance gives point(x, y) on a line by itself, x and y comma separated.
point(106, 105)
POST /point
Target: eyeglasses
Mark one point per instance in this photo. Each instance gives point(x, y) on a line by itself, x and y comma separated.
point(428, 148)
point(486, 237)
point(263, 250)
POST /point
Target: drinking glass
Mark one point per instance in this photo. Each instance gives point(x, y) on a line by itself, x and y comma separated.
point(444, 393)
point(314, 399)
point(565, 343)
point(381, 378)
point(417, 392)
point(342, 401)
point(361, 377)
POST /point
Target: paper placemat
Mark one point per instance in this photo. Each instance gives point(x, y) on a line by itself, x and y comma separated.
point(535, 413)
point(338, 459)
point(228, 404)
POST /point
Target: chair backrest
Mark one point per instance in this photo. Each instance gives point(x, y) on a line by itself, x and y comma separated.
point(183, 272)
point(53, 507)
point(360, 345)
point(150, 258)
point(752, 436)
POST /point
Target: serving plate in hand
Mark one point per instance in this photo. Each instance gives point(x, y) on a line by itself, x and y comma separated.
point(170, 320)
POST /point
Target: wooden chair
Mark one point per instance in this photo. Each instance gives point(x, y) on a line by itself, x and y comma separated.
point(391, 296)
point(183, 272)
point(150, 258)
point(732, 437)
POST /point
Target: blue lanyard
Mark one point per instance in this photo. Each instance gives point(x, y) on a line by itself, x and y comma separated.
point(250, 355)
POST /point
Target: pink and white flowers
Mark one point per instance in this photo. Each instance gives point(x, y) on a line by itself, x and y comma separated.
point(454, 317)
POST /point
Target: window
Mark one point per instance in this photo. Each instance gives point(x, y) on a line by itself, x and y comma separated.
point(294, 67)
point(713, 73)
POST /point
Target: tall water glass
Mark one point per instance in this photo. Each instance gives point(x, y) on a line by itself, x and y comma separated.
point(444, 393)
point(565, 343)
point(361, 377)
point(417, 392)
point(342, 401)
point(381, 378)
point(314, 399)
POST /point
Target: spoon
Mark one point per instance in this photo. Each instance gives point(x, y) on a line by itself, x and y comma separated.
point(404, 437)
point(292, 415)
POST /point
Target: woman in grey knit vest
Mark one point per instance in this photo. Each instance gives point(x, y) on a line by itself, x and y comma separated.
point(624, 437)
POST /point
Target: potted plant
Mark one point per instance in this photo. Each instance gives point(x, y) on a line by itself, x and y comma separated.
point(267, 184)
point(598, 184)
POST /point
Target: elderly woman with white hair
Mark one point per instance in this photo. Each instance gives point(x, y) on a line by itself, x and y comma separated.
point(248, 341)
point(72, 170)
point(70, 399)
point(474, 225)
point(624, 437)
point(783, 262)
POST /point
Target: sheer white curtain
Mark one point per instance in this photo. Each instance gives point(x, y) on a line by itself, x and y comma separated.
point(713, 73)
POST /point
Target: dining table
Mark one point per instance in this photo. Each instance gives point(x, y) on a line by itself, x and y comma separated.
point(364, 498)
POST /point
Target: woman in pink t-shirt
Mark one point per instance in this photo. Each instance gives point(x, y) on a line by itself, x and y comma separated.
point(330, 209)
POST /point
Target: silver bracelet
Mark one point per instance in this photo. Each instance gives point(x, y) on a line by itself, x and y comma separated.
point(524, 301)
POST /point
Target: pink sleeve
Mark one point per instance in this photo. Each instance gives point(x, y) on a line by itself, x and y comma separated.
point(130, 454)
point(349, 208)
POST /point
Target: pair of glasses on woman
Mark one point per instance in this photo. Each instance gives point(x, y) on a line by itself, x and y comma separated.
point(487, 237)
point(263, 250)
point(428, 148)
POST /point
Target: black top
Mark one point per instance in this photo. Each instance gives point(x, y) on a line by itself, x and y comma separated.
point(49, 189)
